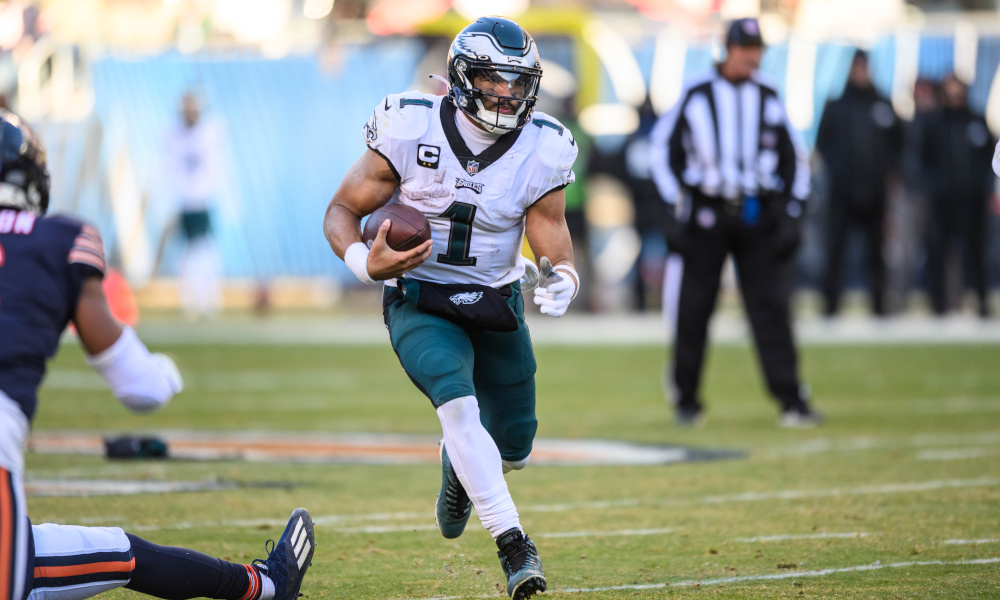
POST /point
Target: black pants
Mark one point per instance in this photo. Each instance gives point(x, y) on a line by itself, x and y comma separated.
point(963, 219)
point(871, 221)
point(765, 282)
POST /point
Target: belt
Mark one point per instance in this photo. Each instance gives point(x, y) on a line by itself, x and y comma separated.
point(731, 206)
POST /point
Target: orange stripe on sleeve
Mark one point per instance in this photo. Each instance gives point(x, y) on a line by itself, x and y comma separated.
point(88, 248)
point(86, 569)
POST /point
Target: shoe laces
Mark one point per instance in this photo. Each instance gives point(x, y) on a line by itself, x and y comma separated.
point(517, 552)
point(456, 499)
point(274, 568)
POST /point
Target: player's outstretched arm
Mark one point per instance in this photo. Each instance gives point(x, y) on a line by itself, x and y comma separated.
point(368, 184)
point(548, 236)
point(140, 380)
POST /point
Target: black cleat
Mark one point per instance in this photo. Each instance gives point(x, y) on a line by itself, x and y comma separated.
point(521, 564)
point(689, 416)
point(288, 560)
point(453, 506)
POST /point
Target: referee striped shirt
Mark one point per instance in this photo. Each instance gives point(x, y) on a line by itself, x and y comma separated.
point(728, 140)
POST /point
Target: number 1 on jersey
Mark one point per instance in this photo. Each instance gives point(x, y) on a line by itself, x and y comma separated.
point(461, 216)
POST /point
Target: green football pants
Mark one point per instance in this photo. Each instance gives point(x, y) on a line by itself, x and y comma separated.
point(447, 361)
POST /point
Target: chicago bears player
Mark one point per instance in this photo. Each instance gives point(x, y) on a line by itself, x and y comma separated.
point(50, 274)
point(487, 171)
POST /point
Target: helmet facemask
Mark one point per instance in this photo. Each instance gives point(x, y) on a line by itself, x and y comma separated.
point(496, 96)
point(493, 73)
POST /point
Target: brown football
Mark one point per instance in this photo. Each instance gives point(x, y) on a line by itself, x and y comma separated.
point(409, 228)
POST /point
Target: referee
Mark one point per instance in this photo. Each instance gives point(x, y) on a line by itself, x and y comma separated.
point(735, 177)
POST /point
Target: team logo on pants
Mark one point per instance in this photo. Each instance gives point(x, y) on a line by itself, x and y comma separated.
point(465, 298)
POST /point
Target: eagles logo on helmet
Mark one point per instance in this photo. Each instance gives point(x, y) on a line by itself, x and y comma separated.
point(24, 177)
point(494, 72)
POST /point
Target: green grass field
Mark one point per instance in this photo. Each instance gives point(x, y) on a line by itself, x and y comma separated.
point(884, 501)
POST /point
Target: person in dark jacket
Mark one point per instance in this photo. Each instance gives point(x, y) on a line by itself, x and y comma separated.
point(956, 153)
point(860, 140)
point(735, 176)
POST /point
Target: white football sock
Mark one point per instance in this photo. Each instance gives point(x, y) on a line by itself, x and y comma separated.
point(477, 463)
point(266, 588)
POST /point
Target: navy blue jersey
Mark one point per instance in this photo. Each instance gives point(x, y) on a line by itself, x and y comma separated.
point(43, 264)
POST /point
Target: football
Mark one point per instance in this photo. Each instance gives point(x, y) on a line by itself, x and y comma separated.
point(409, 228)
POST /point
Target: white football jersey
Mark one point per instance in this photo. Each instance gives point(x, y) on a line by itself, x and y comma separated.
point(475, 203)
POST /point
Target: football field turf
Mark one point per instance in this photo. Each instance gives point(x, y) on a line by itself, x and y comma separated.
point(897, 496)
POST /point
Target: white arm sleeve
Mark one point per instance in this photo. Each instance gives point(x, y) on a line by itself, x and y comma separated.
point(140, 380)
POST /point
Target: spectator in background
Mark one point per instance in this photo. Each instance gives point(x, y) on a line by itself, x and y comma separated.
point(193, 148)
point(956, 153)
point(630, 164)
point(905, 250)
point(860, 140)
point(650, 211)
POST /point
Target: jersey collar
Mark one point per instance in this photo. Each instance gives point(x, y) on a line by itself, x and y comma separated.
point(473, 163)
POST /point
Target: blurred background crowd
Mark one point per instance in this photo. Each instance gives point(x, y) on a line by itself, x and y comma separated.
point(265, 100)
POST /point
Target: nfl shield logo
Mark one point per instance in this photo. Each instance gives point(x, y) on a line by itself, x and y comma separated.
point(472, 167)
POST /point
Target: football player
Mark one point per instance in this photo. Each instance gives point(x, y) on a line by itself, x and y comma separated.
point(486, 170)
point(50, 274)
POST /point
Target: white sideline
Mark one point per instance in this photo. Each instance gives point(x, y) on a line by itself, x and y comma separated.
point(971, 542)
point(875, 566)
point(572, 329)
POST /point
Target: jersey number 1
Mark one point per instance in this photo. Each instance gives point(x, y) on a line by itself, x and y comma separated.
point(461, 216)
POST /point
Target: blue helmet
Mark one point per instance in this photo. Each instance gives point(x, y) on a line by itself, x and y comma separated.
point(24, 176)
point(496, 61)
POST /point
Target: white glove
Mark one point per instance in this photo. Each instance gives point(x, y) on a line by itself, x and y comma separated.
point(170, 371)
point(529, 280)
point(556, 288)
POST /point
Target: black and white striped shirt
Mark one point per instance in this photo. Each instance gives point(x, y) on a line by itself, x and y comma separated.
point(728, 140)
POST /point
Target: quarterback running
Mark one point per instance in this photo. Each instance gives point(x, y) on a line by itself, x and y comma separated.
point(487, 170)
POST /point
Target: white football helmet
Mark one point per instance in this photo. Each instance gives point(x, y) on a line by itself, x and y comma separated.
point(493, 73)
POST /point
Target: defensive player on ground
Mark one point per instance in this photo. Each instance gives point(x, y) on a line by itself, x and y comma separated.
point(486, 171)
point(50, 274)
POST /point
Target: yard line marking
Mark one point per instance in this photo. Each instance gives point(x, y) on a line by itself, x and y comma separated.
point(859, 443)
point(875, 566)
point(956, 454)
point(387, 529)
point(890, 488)
point(964, 542)
point(805, 536)
point(625, 502)
point(620, 532)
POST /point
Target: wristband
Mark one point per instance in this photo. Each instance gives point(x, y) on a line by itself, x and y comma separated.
point(139, 380)
point(571, 272)
point(356, 259)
